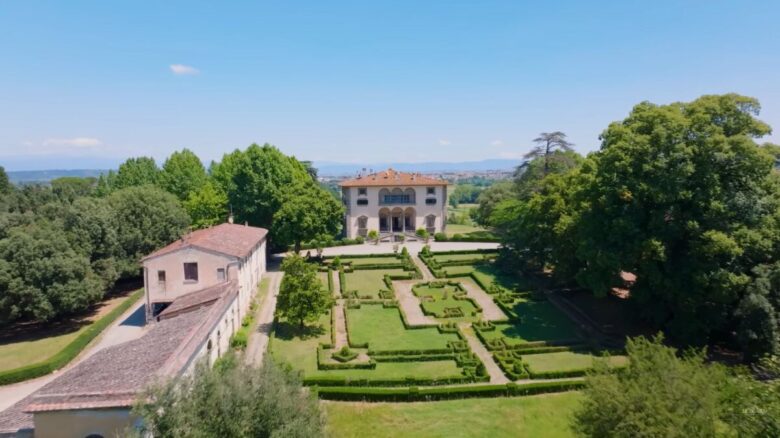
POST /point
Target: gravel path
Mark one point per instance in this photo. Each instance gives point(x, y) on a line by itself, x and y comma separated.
point(426, 273)
point(341, 325)
point(410, 304)
point(336, 283)
point(258, 341)
point(494, 371)
point(490, 310)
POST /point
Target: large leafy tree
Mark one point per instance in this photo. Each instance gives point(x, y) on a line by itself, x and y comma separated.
point(135, 172)
point(255, 181)
point(306, 212)
point(302, 296)
point(42, 276)
point(92, 230)
point(529, 175)
point(661, 394)
point(231, 400)
point(183, 173)
point(146, 218)
point(489, 199)
point(206, 206)
point(68, 188)
point(680, 195)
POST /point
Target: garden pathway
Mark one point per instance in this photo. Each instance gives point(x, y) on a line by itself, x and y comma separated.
point(334, 276)
point(490, 310)
point(410, 304)
point(341, 325)
point(258, 341)
point(494, 371)
point(426, 273)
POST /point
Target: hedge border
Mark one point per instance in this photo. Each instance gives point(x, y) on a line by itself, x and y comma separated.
point(409, 394)
point(70, 351)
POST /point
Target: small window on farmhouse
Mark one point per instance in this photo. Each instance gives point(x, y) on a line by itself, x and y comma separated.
point(362, 202)
point(430, 191)
point(220, 273)
point(161, 276)
point(430, 201)
point(190, 272)
point(362, 191)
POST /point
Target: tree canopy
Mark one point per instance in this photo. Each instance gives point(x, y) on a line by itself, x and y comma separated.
point(307, 211)
point(302, 296)
point(183, 173)
point(135, 172)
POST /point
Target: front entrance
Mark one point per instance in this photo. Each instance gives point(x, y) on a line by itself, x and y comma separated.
point(396, 223)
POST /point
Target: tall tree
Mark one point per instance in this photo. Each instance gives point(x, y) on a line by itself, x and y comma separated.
point(302, 296)
point(529, 176)
point(306, 212)
point(546, 144)
point(489, 199)
point(68, 188)
point(231, 400)
point(147, 218)
point(681, 196)
point(136, 172)
point(5, 183)
point(207, 206)
point(183, 173)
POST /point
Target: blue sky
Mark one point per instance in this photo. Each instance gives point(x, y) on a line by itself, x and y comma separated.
point(86, 84)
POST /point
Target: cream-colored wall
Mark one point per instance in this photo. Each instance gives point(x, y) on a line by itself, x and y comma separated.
point(173, 265)
point(372, 209)
point(83, 422)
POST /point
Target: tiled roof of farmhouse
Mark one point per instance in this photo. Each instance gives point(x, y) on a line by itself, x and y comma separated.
point(231, 239)
point(392, 177)
point(112, 377)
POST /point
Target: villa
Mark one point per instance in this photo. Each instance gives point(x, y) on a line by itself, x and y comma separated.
point(393, 203)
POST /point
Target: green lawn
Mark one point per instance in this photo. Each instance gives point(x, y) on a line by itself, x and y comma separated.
point(434, 300)
point(540, 321)
point(300, 352)
point(453, 229)
point(33, 346)
point(489, 274)
point(566, 360)
point(369, 282)
point(357, 261)
point(533, 416)
point(323, 276)
point(383, 330)
point(451, 257)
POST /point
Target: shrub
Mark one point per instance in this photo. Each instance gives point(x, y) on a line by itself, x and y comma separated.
point(239, 340)
point(440, 237)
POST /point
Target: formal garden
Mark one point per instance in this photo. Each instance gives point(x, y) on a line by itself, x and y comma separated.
point(396, 333)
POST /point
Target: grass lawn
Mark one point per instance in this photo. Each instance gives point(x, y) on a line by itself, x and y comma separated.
point(540, 321)
point(371, 260)
point(453, 229)
point(300, 352)
point(566, 360)
point(489, 274)
point(383, 330)
point(323, 276)
point(545, 415)
point(369, 282)
point(459, 257)
point(20, 346)
point(441, 298)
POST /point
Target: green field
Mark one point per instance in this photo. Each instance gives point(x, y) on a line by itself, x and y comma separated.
point(533, 416)
point(383, 329)
point(368, 282)
point(323, 276)
point(434, 300)
point(459, 257)
point(357, 261)
point(489, 275)
point(566, 360)
point(539, 321)
point(453, 229)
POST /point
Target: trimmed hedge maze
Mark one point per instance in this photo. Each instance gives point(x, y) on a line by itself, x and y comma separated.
point(447, 300)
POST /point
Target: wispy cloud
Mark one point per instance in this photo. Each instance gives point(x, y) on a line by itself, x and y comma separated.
point(497, 142)
point(444, 142)
point(181, 69)
point(78, 142)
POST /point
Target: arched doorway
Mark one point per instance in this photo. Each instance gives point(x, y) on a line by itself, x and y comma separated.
point(410, 219)
point(397, 219)
point(384, 220)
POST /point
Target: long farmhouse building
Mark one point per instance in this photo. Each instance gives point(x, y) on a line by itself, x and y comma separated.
point(393, 203)
point(197, 290)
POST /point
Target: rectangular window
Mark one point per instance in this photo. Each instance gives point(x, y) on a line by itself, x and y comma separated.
point(161, 276)
point(362, 202)
point(220, 273)
point(431, 190)
point(430, 201)
point(397, 199)
point(190, 272)
point(362, 191)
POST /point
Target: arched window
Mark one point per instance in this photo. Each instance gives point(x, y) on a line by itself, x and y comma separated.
point(409, 196)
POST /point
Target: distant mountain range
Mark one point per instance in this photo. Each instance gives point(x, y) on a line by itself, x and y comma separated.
point(32, 176)
point(327, 168)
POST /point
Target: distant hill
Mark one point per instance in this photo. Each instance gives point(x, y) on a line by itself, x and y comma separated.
point(43, 176)
point(326, 168)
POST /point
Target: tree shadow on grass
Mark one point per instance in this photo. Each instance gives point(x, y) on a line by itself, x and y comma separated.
point(288, 331)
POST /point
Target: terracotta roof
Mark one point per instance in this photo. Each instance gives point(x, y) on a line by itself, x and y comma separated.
point(192, 300)
point(231, 239)
point(392, 177)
